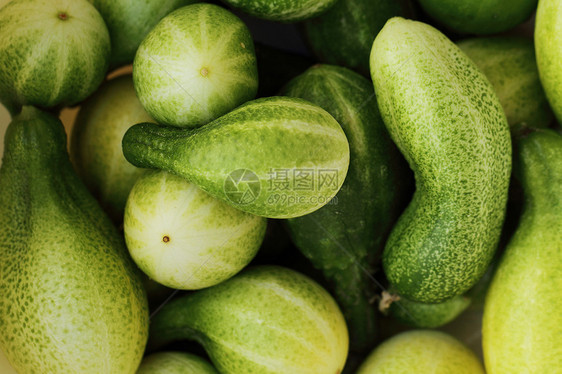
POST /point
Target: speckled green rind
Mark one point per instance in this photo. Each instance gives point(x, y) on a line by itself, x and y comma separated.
point(265, 137)
point(72, 300)
point(282, 10)
point(47, 61)
point(481, 17)
point(341, 237)
point(175, 363)
point(267, 320)
point(96, 143)
point(184, 238)
point(522, 325)
point(422, 352)
point(510, 65)
point(344, 34)
point(444, 116)
point(197, 64)
point(129, 21)
point(422, 315)
point(548, 46)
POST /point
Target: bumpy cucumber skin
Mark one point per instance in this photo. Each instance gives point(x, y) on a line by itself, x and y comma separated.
point(128, 22)
point(422, 352)
point(446, 119)
point(208, 241)
point(342, 238)
point(267, 320)
point(548, 46)
point(61, 66)
point(96, 143)
point(422, 315)
point(277, 133)
point(175, 363)
point(195, 65)
point(481, 17)
point(510, 65)
point(282, 10)
point(522, 325)
point(345, 33)
point(72, 300)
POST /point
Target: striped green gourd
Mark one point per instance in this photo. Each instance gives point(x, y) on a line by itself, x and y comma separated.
point(175, 363)
point(548, 46)
point(267, 320)
point(96, 143)
point(72, 300)
point(445, 117)
point(197, 64)
point(184, 238)
point(275, 157)
point(282, 10)
point(510, 65)
point(343, 238)
point(522, 325)
point(422, 352)
point(54, 53)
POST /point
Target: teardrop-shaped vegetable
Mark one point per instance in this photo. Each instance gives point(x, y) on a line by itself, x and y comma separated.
point(72, 300)
point(522, 325)
point(447, 121)
point(275, 157)
point(184, 238)
point(422, 352)
point(282, 10)
point(548, 45)
point(267, 320)
point(175, 363)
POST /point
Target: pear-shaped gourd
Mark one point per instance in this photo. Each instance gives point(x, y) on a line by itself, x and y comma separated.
point(522, 324)
point(71, 300)
point(276, 157)
point(267, 320)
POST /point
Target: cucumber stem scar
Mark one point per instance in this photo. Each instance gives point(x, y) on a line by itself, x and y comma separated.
point(204, 72)
point(166, 239)
point(63, 16)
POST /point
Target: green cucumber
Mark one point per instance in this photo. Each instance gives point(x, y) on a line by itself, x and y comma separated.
point(72, 300)
point(342, 238)
point(96, 143)
point(548, 45)
point(522, 325)
point(185, 239)
point(195, 65)
point(267, 320)
point(175, 363)
point(422, 352)
point(282, 10)
point(510, 65)
point(445, 117)
point(480, 17)
point(275, 157)
point(344, 34)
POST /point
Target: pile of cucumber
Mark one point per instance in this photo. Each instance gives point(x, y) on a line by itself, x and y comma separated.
point(221, 205)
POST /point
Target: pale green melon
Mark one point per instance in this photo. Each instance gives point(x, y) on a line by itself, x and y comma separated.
point(197, 64)
point(175, 363)
point(184, 238)
point(53, 52)
point(96, 143)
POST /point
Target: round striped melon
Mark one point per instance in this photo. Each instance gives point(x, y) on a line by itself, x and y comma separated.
point(53, 53)
point(197, 64)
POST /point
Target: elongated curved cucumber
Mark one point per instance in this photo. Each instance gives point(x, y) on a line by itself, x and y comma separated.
point(522, 325)
point(548, 45)
point(185, 239)
point(444, 116)
point(282, 10)
point(276, 157)
point(267, 320)
point(72, 300)
point(422, 352)
point(342, 238)
point(510, 65)
point(175, 363)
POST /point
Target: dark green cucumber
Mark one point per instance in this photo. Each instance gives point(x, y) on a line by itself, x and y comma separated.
point(342, 238)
